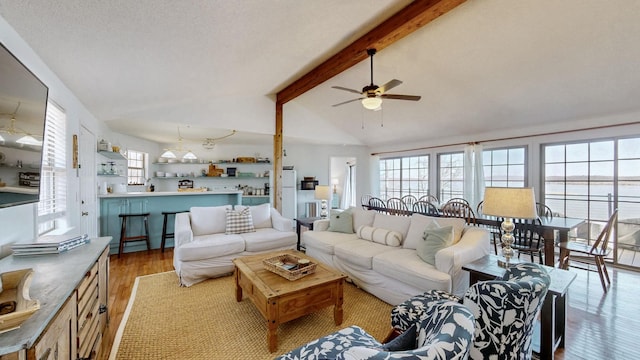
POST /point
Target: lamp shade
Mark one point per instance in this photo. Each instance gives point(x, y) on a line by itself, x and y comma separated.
point(371, 103)
point(322, 192)
point(519, 203)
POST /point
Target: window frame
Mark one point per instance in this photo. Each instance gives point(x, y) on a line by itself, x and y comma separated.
point(52, 206)
point(401, 191)
point(133, 157)
point(525, 165)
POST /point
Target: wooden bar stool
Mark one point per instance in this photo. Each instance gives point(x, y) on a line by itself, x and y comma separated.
point(123, 230)
point(165, 234)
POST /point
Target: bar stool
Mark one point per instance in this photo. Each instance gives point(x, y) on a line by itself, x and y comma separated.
point(123, 230)
point(165, 234)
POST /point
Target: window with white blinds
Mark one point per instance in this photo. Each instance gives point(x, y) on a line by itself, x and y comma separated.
point(53, 178)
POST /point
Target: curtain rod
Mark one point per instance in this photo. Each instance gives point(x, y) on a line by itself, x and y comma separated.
point(508, 138)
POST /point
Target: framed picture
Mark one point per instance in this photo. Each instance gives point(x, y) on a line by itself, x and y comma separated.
point(231, 171)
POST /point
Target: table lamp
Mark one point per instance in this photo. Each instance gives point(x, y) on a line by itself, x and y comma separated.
point(322, 193)
point(509, 203)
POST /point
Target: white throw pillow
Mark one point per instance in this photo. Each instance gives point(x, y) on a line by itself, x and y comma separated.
point(392, 222)
point(362, 217)
point(239, 222)
point(261, 215)
point(420, 222)
point(209, 219)
point(379, 235)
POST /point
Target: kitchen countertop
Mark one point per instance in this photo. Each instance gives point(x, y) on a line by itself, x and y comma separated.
point(169, 193)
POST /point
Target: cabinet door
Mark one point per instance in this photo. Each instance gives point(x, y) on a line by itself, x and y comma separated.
point(59, 341)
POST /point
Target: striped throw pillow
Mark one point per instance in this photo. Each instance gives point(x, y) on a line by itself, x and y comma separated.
point(239, 222)
point(379, 235)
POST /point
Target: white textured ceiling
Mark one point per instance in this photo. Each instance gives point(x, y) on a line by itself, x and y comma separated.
point(146, 67)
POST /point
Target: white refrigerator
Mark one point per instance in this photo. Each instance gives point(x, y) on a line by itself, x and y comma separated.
point(289, 194)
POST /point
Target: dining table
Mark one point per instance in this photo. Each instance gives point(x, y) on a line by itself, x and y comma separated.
point(554, 230)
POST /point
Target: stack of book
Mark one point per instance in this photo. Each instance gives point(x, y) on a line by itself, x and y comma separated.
point(50, 244)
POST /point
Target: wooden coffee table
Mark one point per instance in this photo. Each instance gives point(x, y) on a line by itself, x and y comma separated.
point(280, 300)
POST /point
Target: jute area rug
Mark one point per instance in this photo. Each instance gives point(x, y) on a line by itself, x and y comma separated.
point(204, 321)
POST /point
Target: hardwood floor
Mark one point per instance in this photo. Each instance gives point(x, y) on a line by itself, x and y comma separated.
point(122, 274)
point(599, 325)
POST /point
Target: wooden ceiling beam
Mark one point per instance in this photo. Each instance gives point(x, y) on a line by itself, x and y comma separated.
point(412, 17)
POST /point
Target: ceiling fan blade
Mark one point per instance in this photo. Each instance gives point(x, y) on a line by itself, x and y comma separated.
point(347, 89)
point(346, 102)
point(388, 86)
point(401, 97)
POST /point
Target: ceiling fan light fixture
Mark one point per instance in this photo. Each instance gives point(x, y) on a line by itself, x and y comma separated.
point(371, 103)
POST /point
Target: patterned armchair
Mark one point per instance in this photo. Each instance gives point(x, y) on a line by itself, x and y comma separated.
point(445, 332)
point(505, 311)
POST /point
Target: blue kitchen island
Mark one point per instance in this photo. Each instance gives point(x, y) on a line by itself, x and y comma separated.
point(112, 205)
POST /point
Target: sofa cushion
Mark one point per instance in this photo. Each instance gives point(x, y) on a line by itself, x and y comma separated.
point(435, 239)
point(210, 246)
point(341, 221)
point(392, 222)
point(324, 241)
point(269, 239)
point(261, 215)
point(239, 222)
point(209, 219)
point(360, 252)
point(380, 236)
point(405, 266)
point(419, 223)
point(362, 217)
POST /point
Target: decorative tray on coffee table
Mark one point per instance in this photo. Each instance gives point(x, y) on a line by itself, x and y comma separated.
point(289, 266)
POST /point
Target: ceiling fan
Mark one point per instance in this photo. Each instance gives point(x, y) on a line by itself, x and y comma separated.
point(372, 94)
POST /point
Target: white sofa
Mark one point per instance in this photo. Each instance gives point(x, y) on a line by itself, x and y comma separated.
point(396, 273)
point(203, 250)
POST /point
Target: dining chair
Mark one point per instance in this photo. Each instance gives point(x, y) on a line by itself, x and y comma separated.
point(591, 253)
point(425, 208)
point(430, 198)
point(459, 210)
point(544, 211)
point(377, 204)
point(395, 206)
point(409, 200)
point(457, 200)
point(527, 238)
point(364, 201)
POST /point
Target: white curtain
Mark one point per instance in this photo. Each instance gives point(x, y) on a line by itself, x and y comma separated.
point(347, 189)
point(473, 174)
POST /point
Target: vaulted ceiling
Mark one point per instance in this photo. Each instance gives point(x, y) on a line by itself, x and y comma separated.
point(146, 67)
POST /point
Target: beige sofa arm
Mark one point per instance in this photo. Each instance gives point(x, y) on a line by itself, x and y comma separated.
point(182, 230)
point(321, 225)
point(280, 222)
point(473, 245)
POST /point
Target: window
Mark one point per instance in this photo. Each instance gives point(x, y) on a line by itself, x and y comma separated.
point(53, 179)
point(505, 167)
point(136, 173)
point(404, 176)
point(450, 176)
point(592, 178)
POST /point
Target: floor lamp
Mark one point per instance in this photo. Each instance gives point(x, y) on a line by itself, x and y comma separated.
point(509, 203)
point(322, 193)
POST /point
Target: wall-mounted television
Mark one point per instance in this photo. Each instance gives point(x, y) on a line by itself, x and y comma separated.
point(23, 108)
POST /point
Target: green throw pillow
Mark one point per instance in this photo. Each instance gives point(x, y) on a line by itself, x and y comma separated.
point(434, 239)
point(341, 221)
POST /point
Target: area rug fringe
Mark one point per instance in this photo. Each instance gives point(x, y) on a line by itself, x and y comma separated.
point(165, 321)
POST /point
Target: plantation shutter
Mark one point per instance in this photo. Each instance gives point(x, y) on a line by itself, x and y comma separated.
point(53, 179)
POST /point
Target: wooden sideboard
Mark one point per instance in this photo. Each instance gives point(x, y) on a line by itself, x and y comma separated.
point(72, 288)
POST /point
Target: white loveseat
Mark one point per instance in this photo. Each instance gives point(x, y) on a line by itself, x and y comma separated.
point(203, 250)
point(396, 273)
